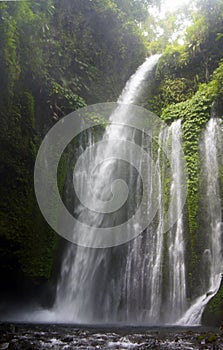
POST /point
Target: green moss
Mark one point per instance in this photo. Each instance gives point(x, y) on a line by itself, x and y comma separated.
point(28, 241)
point(212, 338)
point(194, 114)
point(175, 58)
point(213, 313)
point(26, 104)
point(208, 337)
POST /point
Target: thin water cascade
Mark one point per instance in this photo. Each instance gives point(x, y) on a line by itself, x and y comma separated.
point(168, 288)
point(156, 252)
point(211, 153)
point(213, 139)
point(175, 243)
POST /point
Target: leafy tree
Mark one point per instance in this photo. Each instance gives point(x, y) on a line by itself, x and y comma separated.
point(204, 39)
point(163, 31)
point(137, 10)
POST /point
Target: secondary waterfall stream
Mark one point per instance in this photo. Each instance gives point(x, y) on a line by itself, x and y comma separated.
point(211, 149)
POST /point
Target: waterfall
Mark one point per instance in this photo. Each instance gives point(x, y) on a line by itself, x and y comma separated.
point(212, 253)
point(126, 283)
point(143, 280)
point(212, 141)
point(89, 290)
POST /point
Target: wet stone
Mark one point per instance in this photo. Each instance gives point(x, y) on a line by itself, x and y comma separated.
point(67, 339)
point(4, 346)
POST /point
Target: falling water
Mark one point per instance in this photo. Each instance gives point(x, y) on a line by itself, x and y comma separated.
point(125, 284)
point(176, 247)
point(172, 301)
point(212, 148)
point(212, 151)
point(89, 290)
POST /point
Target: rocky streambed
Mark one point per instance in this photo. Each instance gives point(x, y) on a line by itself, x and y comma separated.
point(48, 336)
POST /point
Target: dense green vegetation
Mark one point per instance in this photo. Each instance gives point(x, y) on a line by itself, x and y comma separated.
point(55, 57)
point(190, 87)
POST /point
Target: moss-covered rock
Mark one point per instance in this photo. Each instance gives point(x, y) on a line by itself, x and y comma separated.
point(213, 313)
